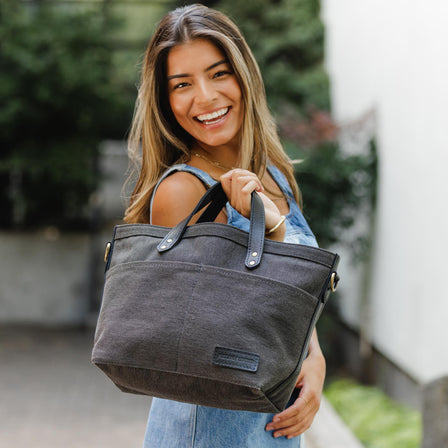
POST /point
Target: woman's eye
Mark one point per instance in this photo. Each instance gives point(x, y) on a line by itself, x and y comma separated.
point(180, 85)
point(222, 73)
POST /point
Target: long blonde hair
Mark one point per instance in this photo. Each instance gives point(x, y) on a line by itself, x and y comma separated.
point(157, 141)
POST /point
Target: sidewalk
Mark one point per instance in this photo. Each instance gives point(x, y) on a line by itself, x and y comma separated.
point(53, 397)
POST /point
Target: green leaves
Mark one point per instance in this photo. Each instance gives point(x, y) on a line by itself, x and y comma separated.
point(374, 418)
point(335, 188)
point(59, 103)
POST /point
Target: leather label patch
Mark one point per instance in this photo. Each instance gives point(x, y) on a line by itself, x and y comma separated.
point(235, 359)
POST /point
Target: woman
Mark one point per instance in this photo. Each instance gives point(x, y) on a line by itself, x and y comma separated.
point(201, 116)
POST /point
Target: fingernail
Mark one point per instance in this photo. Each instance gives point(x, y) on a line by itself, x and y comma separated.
point(276, 419)
point(269, 427)
point(277, 435)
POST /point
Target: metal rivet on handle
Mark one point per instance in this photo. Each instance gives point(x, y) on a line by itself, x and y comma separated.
point(163, 247)
point(254, 254)
point(252, 262)
point(169, 240)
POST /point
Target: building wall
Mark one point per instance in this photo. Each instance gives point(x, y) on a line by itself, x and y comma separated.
point(392, 57)
point(53, 278)
point(44, 278)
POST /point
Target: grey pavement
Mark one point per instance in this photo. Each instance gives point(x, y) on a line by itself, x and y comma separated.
point(53, 397)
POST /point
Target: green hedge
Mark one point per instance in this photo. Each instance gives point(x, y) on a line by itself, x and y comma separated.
point(375, 419)
point(58, 102)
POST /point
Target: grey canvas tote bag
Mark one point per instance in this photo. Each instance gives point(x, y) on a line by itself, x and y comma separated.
point(208, 313)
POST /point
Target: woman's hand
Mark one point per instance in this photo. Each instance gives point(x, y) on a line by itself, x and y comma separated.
point(296, 419)
point(238, 185)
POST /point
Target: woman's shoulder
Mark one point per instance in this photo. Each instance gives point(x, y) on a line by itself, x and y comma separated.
point(180, 183)
point(175, 197)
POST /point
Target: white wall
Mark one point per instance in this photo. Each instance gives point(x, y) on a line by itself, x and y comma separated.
point(392, 55)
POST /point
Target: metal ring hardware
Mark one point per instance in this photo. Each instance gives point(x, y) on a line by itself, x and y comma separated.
point(106, 253)
point(333, 282)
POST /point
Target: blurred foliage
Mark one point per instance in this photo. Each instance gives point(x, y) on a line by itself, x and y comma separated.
point(336, 187)
point(374, 418)
point(287, 39)
point(58, 103)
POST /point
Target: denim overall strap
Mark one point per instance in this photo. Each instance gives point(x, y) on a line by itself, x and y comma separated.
point(206, 179)
point(297, 229)
point(281, 181)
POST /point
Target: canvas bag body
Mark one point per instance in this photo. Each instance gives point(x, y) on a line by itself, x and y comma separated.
point(195, 323)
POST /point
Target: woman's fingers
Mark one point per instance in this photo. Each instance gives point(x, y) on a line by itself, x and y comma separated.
point(239, 178)
point(294, 421)
point(238, 185)
point(250, 186)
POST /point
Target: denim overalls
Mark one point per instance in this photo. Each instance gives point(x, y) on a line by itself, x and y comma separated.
point(181, 425)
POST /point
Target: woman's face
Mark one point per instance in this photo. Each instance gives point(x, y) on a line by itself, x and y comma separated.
point(204, 94)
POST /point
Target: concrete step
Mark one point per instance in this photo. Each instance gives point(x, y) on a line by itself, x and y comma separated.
point(329, 431)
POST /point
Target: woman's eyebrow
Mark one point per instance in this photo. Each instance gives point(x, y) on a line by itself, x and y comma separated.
point(186, 75)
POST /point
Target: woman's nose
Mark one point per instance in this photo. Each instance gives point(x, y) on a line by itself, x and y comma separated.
point(205, 92)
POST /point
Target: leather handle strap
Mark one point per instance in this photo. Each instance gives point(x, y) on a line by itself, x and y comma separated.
point(256, 232)
point(217, 199)
point(216, 193)
point(214, 208)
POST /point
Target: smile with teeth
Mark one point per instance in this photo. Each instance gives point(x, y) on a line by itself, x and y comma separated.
point(214, 117)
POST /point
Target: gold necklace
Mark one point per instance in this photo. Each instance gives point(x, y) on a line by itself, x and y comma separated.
point(212, 162)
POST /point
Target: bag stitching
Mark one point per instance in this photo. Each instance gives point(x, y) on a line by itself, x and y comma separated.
point(221, 271)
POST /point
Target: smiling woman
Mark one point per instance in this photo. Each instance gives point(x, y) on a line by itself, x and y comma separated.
point(202, 117)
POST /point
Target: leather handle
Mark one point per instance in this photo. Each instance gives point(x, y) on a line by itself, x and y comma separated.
point(256, 232)
point(217, 199)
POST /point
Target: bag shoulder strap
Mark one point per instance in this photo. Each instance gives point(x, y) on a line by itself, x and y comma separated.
point(204, 177)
